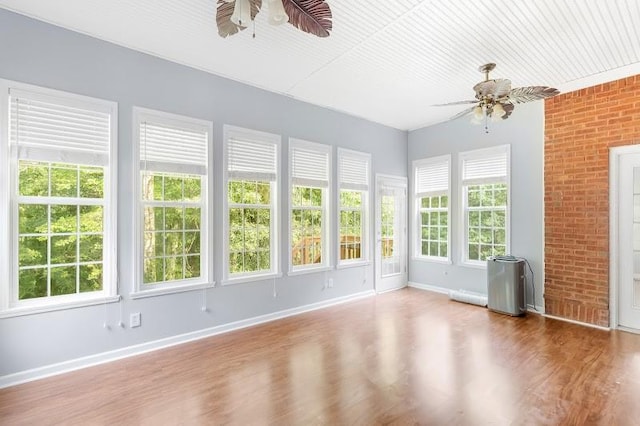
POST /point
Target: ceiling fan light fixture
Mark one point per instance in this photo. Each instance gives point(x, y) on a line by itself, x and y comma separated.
point(478, 114)
point(277, 14)
point(498, 111)
point(241, 13)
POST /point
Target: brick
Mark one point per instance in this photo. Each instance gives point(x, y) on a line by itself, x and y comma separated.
point(580, 128)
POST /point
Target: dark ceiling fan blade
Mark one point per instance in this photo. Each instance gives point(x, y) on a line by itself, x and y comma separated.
point(310, 16)
point(475, 101)
point(462, 113)
point(531, 93)
point(508, 109)
point(223, 17)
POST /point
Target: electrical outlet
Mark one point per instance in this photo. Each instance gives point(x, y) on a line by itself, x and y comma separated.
point(135, 320)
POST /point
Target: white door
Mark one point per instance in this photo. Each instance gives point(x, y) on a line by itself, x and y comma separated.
point(391, 232)
point(628, 292)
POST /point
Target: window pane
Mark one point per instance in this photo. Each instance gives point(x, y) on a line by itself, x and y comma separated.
point(34, 179)
point(192, 218)
point(250, 195)
point(192, 188)
point(173, 188)
point(264, 193)
point(91, 182)
point(192, 267)
point(316, 197)
point(64, 218)
point(90, 278)
point(63, 249)
point(153, 270)
point(91, 219)
point(425, 202)
point(235, 190)
point(64, 181)
point(90, 248)
point(473, 196)
point(32, 218)
point(158, 187)
point(173, 218)
point(173, 244)
point(444, 201)
point(264, 217)
point(173, 268)
point(32, 283)
point(264, 260)
point(63, 280)
point(192, 242)
point(32, 251)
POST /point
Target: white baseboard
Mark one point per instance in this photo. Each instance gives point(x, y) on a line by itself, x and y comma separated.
point(585, 324)
point(444, 290)
point(105, 357)
point(428, 287)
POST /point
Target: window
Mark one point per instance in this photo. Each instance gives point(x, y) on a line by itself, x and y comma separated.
point(353, 182)
point(173, 197)
point(62, 199)
point(431, 185)
point(251, 197)
point(485, 193)
point(310, 171)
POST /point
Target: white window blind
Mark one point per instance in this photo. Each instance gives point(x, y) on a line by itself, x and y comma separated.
point(47, 128)
point(173, 147)
point(252, 160)
point(432, 176)
point(310, 164)
point(485, 166)
point(353, 170)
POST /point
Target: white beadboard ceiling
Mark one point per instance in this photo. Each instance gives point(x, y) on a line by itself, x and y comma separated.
point(386, 61)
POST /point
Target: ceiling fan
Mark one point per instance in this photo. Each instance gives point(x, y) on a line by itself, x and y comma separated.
point(310, 16)
point(496, 99)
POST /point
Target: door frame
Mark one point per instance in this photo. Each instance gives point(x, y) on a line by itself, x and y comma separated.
point(402, 181)
point(615, 154)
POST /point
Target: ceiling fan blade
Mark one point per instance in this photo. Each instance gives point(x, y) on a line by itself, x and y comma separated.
point(531, 93)
point(508, 109)
point(462, 113)
point(310, 16)
point(224, 11)
point(495, 89)
point(475, 101)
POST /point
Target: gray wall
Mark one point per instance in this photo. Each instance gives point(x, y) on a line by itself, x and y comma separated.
point(524, 131)
point(37, 53)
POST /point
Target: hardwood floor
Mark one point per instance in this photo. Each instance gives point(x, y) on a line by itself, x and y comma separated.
point(406, 357)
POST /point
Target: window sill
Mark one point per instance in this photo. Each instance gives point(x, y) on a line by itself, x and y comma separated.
point(443, 261)
point(353, 264)
point(29, 310)
point(250, 278)
point(170, 290)
point(309, 271)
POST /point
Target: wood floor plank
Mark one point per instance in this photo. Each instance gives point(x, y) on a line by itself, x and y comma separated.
point(406, 357)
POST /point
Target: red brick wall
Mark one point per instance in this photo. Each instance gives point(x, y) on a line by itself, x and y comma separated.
point(579, 129)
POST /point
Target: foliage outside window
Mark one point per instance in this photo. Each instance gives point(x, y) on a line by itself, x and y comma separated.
point(485, 202)
point(250, 212)
point(309, 200)
point(306, 226)
point(61, 229)
point(354, 171)
point(172, 200)
point(61, 199)
point(432, 218)
point(434, 226)
point(172, 205)
point(387, 226)
point(351, 225)
point(486, 218)
point(251, 204)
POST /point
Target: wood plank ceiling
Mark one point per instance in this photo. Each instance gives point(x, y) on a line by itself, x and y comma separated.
point(385, 61)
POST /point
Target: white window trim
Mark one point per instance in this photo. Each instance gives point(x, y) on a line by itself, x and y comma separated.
point(9, 306)
point(327, 246)
point(206, 254)
point(365, 242)
point(480, 153)
point(416, 218)
point(275, 272)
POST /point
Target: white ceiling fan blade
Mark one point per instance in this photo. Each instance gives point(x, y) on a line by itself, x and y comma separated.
point(463, 113)
point(475, 101)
